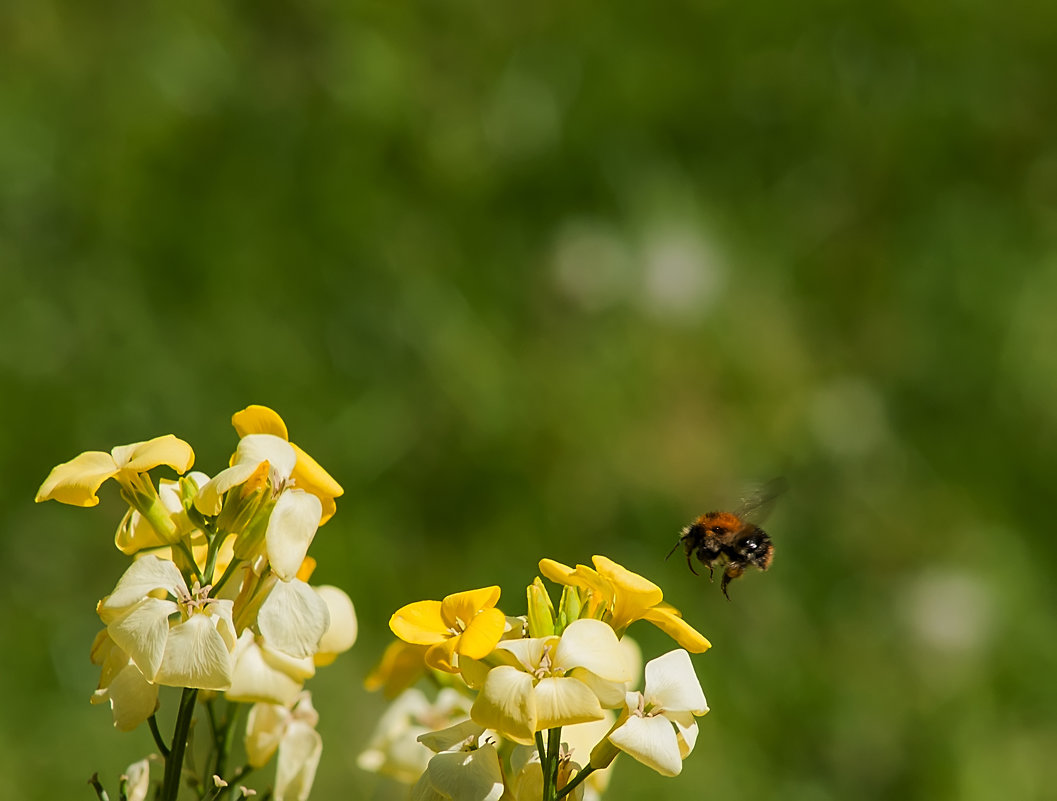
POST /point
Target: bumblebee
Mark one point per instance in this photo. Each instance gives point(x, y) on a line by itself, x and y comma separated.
point(732, 539)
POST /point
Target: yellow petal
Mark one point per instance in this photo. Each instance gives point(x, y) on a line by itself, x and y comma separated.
point(668, 620)
point(460, 608)
point(419, 623)
point(259, 420)
point(634, 594)
point(310, 475)
point(439, 656)
point(143, 456)
point(401, 665)
point(556, 571)
point(482, 634)
point(75, 482)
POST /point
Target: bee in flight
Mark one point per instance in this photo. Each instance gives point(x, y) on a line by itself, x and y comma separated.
point(733, 538)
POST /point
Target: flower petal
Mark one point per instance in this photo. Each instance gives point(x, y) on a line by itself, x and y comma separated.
point(467, 775)
point(291, 528)
point(563, 702)
point(634, 593)
point(293, 618)
point(507, 704)
point(651, 741)
point(460, 608)
point(341, 634)
point(257, 679)
point(75, 482)
point(309, 475)
point(299, 752)
point(669, 620)
point(143, 577)
point(143, 456)
point(592, 644)
point(142, 630)
point(672, 684)
point(210, 497)
point(257, 448)
point(259, 420)
point(264, 727)
point(482, 635)
point(419, 623)
point(132, 698)
point(196, 655)
point(439, 656)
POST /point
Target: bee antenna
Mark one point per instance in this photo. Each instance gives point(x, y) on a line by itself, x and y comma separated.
point(673, 549)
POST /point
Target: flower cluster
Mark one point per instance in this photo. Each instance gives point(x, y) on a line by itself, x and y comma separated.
point(217, 599)
point(537, 706)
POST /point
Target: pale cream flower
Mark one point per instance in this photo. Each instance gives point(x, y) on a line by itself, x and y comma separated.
point(291, 732)
point(466, 766)
point(132, 698)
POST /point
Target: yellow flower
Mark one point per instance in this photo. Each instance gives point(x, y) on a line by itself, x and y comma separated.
point(307, 473)
point(626, 597)
point(401, 666)
point(466, 623)
point(76, 482)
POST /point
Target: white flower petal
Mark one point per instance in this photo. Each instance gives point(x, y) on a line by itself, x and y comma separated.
point(132, 698)
point(685, 731)
point(293, 618)
point(651, 741)
point(528, 651)
point(264, 727)
point(672, 684)
point(255, 679)
point(210, 497)
point(196, 655)
point(451, 737)
point(142, 631)
point(299, 750)
point(610, 694)
point(144, 577)
point(592, 644)
point(291, 528)
point(256, 448)
point(467, 775)
point(506, 703)
point(341, 633)
point(138, 774)
point(563, 702)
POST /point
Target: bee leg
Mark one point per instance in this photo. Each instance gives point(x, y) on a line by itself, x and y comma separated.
point(734, 569)
point(690, 564)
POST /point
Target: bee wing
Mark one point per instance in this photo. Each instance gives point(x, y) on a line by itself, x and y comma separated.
point(758, 500)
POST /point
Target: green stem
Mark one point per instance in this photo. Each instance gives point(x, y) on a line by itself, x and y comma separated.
point(232, 567)
point(99, 791)
point(554, 747)
point(583, 774)
point(174, 761)
point(163, 749)
point(542, 751)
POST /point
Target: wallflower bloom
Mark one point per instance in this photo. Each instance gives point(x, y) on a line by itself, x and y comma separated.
point(551, 682)
point(658, 727)
point(626, 597)
point(395, 749)
point(466, 623)
point(401, 666)
point(466, 766)
point(76, 482)
point(291, 731)
point(132, 698)
point(307, 472)
point(182, 639)
point(262, 674)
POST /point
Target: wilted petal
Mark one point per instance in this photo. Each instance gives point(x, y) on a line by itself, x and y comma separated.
point(196, 655)
point(143, 456)
point(672, 684)
point(668, 620)
point(419, 623)
point(650, 740)
point(563, 702)
point(506, 703)
point(293, 618)
point(593, 645)
point(467, 775)
point(341, 634)
point(685, 731)
point(299, 750)
point(75, 482)
point(291, 528)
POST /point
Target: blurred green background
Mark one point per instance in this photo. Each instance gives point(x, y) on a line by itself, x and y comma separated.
point(545, 280)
